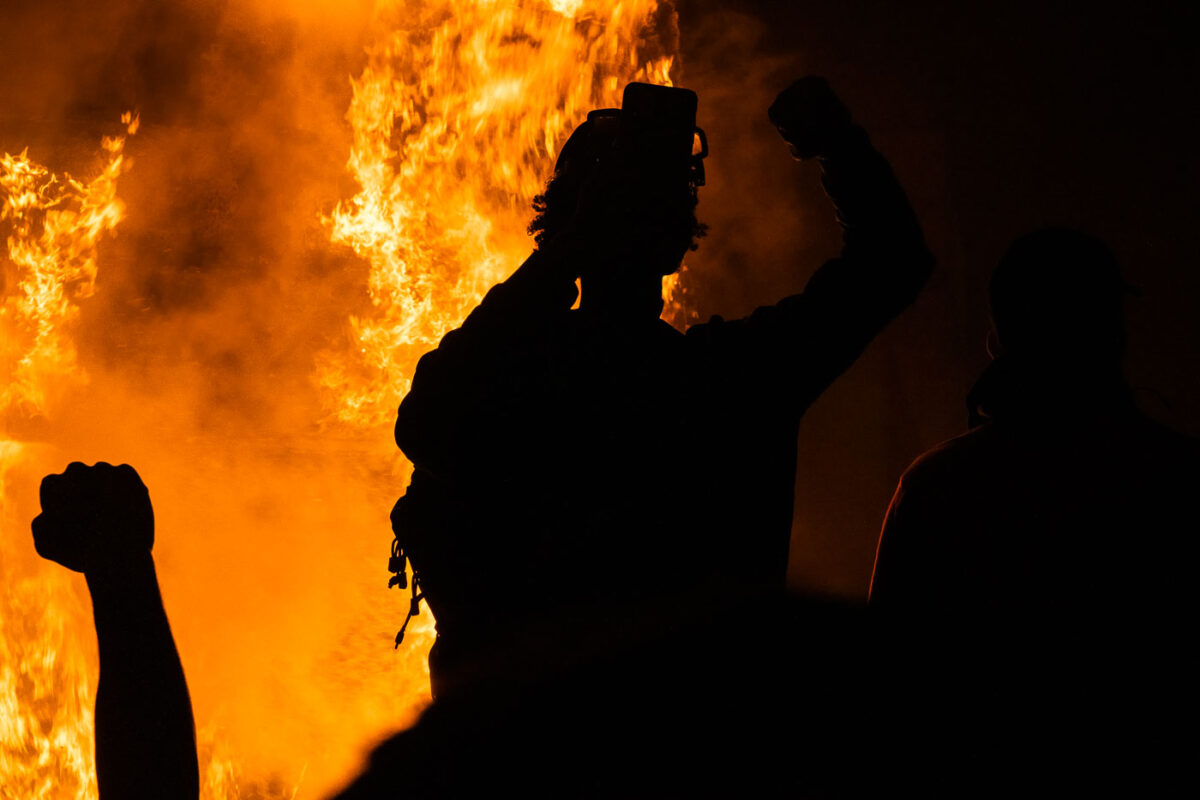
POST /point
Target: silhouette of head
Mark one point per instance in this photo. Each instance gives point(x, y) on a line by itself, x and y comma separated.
point(1056, 297)
point(645, 207)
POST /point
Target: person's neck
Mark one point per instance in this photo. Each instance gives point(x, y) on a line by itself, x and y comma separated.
point(1025, 387)
point(625, 300)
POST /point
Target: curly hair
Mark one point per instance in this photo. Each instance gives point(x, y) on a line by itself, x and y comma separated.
point(556, 206)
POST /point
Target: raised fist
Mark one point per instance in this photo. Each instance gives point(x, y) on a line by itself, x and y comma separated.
point(93, 517)
point(810, 117)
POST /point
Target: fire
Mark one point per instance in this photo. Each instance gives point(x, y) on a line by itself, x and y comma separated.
point(456, 119)
point(54, 226)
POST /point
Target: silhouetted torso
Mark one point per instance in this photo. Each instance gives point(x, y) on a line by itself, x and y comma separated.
point(1069, 503)
point(1033, 585)
point(600, 514)
point(575, 471)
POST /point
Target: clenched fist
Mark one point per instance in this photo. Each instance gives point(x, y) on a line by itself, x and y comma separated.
point(810, 117)
point(93, 517)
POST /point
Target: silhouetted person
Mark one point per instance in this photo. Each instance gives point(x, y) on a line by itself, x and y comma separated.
point(601, 506)
point(573, 466)
point(1064, 497)
point(1041, 564)
point(98, 520)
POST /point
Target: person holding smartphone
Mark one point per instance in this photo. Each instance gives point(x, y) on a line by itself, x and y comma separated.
point(594, 494)
point(594, 491)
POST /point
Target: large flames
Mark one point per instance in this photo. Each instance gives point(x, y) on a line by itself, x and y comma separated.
point(456, 119)
point(54, 225)
point(449, 161)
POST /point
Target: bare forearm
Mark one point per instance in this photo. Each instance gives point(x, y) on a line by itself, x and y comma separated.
point(145, 737)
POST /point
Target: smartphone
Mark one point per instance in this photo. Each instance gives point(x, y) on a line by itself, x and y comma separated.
point(658, 122)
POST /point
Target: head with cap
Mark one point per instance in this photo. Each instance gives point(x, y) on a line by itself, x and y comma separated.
point(642, 204)
point(1057, 298)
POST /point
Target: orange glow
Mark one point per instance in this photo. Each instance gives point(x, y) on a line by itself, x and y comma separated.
point(53, 225)
point(272, 547)
point(449, 162)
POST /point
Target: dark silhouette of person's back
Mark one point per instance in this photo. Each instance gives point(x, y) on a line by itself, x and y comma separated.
point(1065, 498)
point(1035, 571)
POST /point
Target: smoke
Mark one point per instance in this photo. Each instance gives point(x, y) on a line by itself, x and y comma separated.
point(222, 287)
point(213, 303)
point(198, 346)
point(770, 225)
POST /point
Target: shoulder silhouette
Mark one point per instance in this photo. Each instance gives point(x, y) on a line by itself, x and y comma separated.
point(1063, 498)
point(1034, 571)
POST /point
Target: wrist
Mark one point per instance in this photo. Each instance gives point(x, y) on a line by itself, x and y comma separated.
point(120, 573)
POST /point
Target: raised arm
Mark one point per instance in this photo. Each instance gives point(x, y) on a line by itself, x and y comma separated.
point(811, 338)
point(98, 520)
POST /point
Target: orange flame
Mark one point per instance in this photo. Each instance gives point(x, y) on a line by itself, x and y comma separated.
point(54, 228)
point(55, 225)
point(457, 120)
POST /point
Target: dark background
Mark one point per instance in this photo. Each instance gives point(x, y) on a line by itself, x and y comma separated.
point(999, 118)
